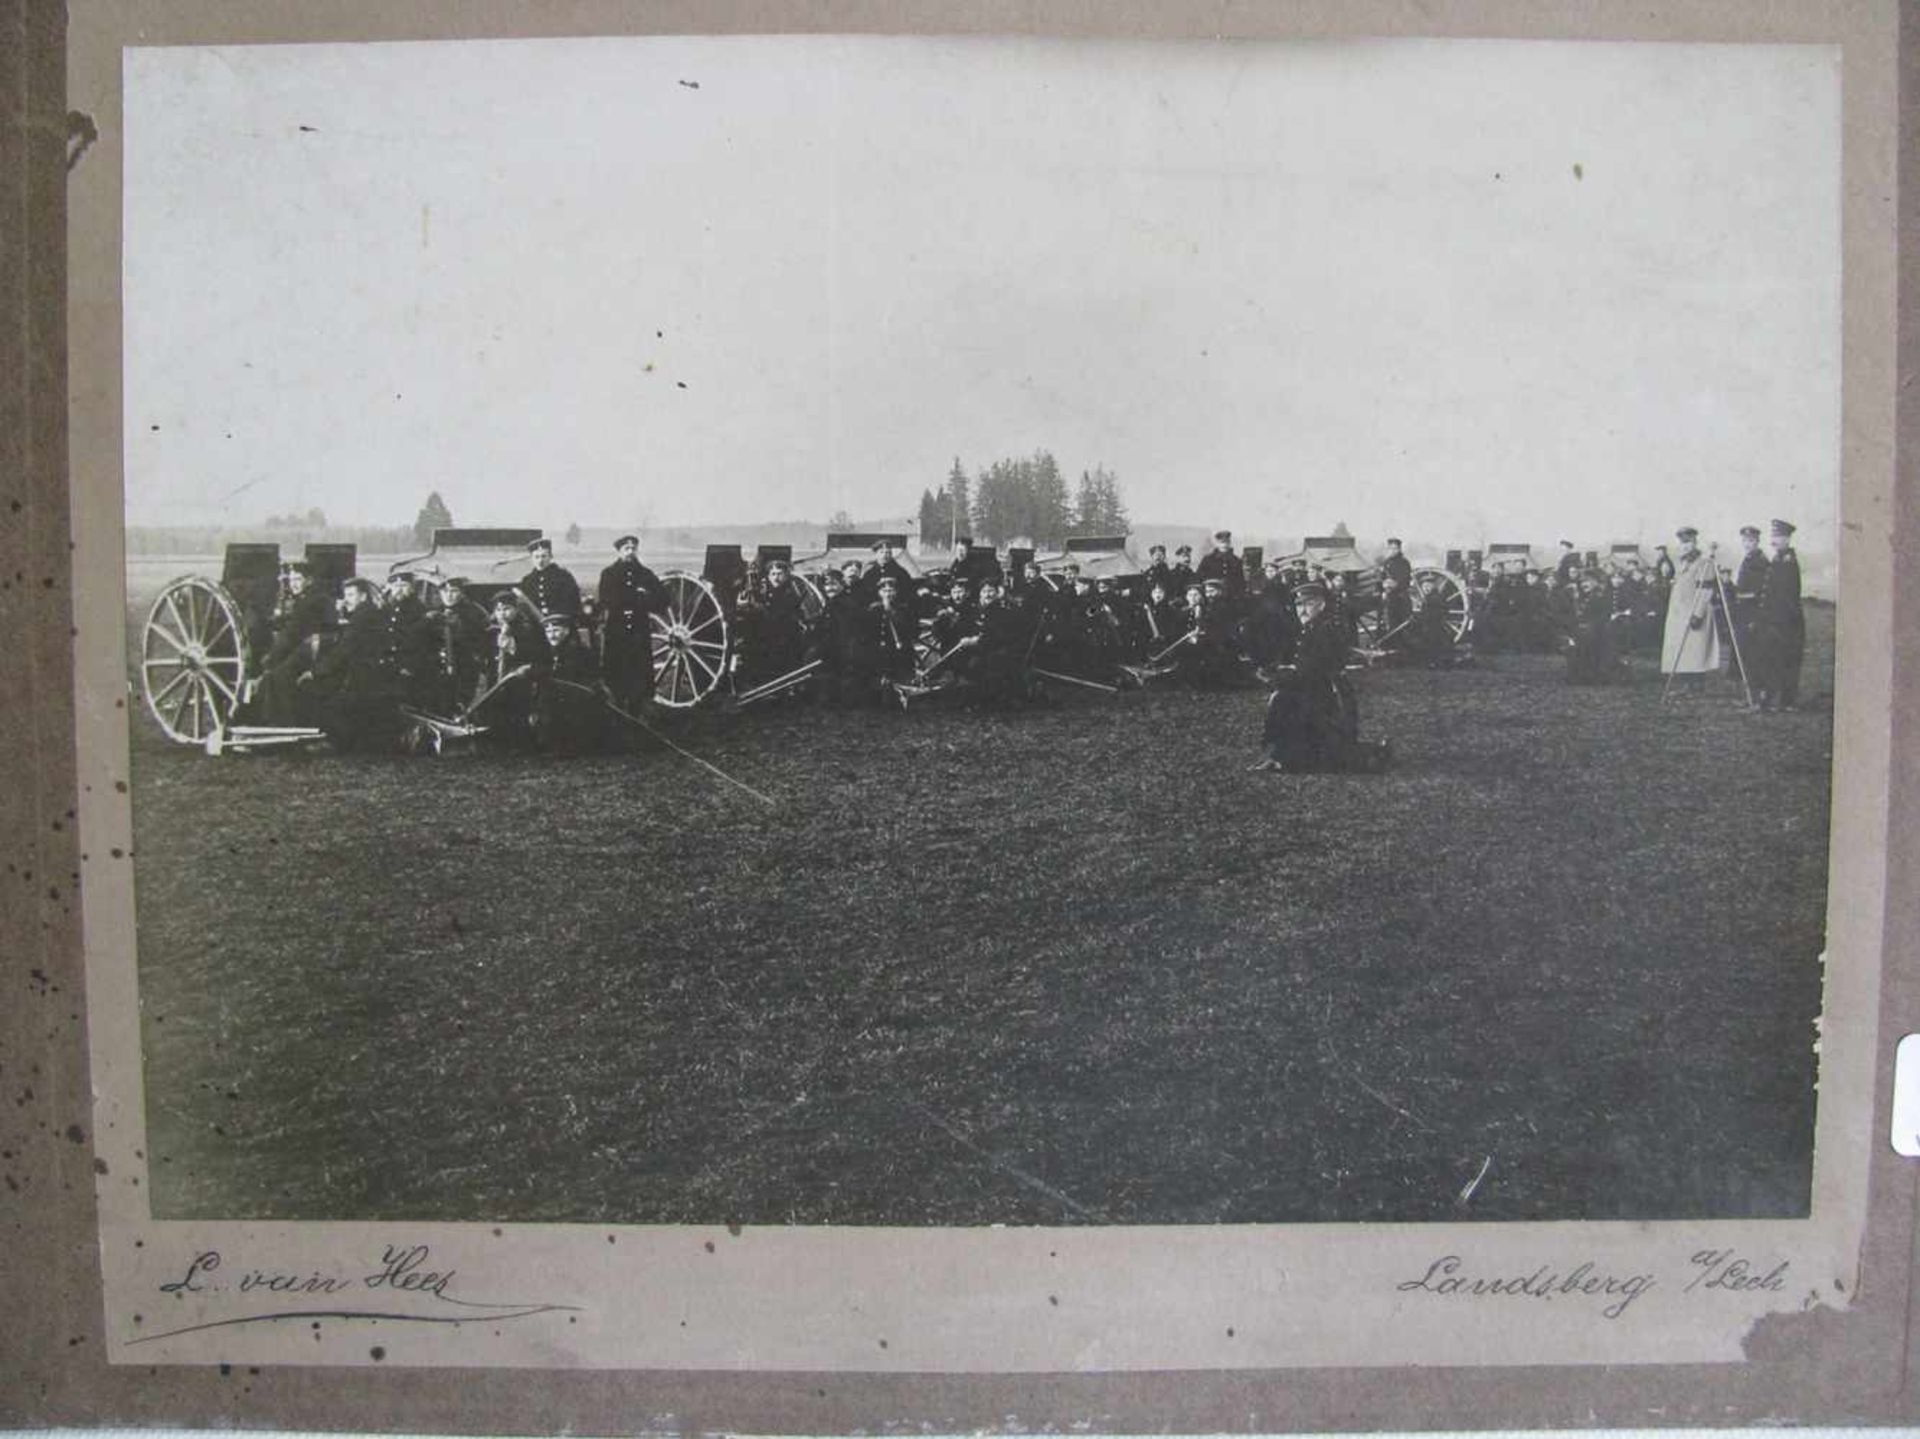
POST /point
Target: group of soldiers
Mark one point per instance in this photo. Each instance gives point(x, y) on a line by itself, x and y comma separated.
point(547, 663)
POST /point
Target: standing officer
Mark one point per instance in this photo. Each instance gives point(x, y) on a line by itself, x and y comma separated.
point(629, 596)
point(554, 591)
point(1780, 625)
point(1181, 576)
point(1221, 563)
point(1748, 581)
point(1396, 590)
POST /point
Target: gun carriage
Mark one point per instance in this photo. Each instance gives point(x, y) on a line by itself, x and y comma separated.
point(1375, 626)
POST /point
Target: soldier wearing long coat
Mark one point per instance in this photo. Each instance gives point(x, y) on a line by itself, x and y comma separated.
point(1690, 644)
point(628, 597)
point(1780, 626)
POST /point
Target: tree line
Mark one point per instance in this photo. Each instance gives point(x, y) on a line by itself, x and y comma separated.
point(1022, 499)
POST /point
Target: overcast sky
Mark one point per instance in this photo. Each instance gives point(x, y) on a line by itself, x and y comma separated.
point(1462, 289)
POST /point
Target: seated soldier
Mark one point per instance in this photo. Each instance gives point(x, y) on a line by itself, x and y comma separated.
point(1313, 715)
point(463, 644)
point(1430, 632)
point(950, 624)
point(301, 616)
point(353, 692)
point(1268, 631)
point(1206, 660)
point(565, 709)
point(836, 639)
point(411, 645)
point(1592, 658)
point(992, 656)
point(773, 619)
point(520, 655)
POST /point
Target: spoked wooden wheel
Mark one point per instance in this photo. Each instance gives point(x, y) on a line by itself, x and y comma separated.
point(689, 643)
point(812, 601)
point(194, 659)
point(1452, 594)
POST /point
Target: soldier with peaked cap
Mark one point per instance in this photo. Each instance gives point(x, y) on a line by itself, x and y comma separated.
point(410, 642)
point(893, 630)
point(1313, 715)
point(1568, 568)
point(1181, 575)
point(553, 590)
point(1780, 626)
point(628, 597)
point(1748, 580)
point(1690, 646)
point(1158, 571)
point(773, 621)
point(1396, 593)
point(350, 691)
point(301, 615)
point(1223, 564)
point(461, 627)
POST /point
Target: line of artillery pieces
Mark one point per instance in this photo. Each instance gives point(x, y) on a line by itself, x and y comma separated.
point(199, 643)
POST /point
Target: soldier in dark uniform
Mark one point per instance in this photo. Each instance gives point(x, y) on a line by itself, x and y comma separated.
point(1313, 716)
point(1206, 660)
point(992, 660)
point(1272, 626)
point(1221, 563)
point(521, 656)
point(463, 643)
point(775, 624)
point(894, 631)
point(1748, 581)
point(301, 615)
point(1158, 571)
point(1780, 626)
point(1159, 622)
point(1430, 635)
point(628, 597)
point(952, 622)
point(1396, 594)
point(837, 639)
point(1568, 570)
point(565, 707)
point(1181, 575)
point(410, 648)
point(1591, 658)
point(350, 691)
point(554, 591)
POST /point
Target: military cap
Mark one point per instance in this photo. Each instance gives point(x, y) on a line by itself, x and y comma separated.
point(454, 582)
point(365, 587)
point(505, 600)
point(1392, 541)
point(965, 542)
point(1224, 536)
point(1566, 544)
point(834, 577)
point(1156, 549)
point(1782, 529)
point(557, 621)
point(1686, 533)
point(400, 577)
point(1749, 532)
point(1184, 550)
point(624, 540)
point(296, 567)
point(888, 582)
point(1311, 590)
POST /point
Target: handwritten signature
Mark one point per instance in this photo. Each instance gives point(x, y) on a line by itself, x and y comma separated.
point(402, 1269)
point(1712, 1269)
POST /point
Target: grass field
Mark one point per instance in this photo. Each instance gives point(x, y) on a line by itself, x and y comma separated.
point(1063, 966)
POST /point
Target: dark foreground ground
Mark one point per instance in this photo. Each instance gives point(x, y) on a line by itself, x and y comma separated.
point(1065, 966)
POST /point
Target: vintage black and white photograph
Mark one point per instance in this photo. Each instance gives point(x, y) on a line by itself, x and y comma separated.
point(950, 632)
